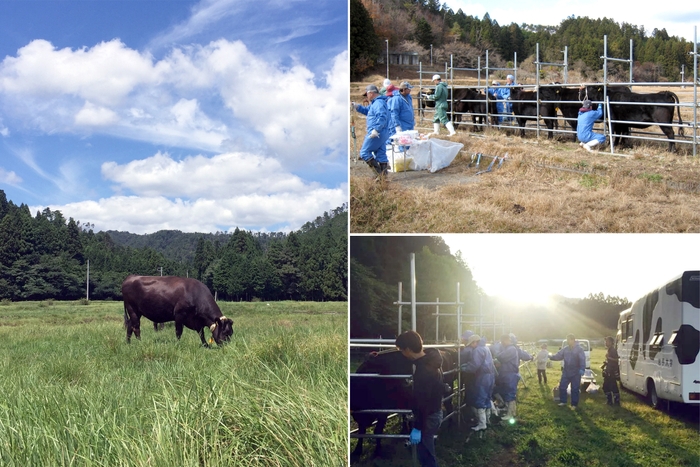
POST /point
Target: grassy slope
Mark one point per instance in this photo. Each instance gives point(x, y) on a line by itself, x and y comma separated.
point(633, 435)
point(74, 393)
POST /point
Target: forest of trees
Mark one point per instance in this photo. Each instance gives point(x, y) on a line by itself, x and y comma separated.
point(378, 264)
point(415, 25)
point(45, 257)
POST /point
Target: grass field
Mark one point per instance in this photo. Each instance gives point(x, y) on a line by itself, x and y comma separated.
point(633, 435)
point(75, 394)
point(543, 186)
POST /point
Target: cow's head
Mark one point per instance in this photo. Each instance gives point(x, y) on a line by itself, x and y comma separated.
point(222, 330)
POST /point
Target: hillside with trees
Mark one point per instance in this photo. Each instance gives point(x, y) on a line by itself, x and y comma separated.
point(378, 264)
point(45, 256)
point(413, 25)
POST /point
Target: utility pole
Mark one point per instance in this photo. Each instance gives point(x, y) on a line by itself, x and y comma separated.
point(387, 58)
point(87, 282)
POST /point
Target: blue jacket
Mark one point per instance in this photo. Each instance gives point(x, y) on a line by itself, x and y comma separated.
point(481, 364)
point(401, 111)
point(574, 360)
point(586, 120)
point(377, 116)
point(510, 360)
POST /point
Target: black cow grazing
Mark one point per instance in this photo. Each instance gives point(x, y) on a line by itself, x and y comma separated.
point(647, 115)
point(467, 100)
point(368, 393)
point(186, 301)
point(524, 111)
point(567, 100)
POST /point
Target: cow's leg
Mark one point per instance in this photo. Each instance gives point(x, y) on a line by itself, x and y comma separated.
point(178, 329)
point(378, 430)
point(668, 131)
point(201, 336)
point(135, 327)
point(357, 452)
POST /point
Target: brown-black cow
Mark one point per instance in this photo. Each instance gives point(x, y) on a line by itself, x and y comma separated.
point(525, 108)
point(467, 100)
point(186, 301)
point(625, 116)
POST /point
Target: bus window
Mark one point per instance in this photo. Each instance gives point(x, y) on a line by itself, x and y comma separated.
point(672, 340)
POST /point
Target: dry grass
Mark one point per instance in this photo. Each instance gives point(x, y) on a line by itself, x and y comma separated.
point(543, 187)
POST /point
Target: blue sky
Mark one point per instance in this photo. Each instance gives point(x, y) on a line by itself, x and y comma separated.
point(142, 115)
point(678, 18)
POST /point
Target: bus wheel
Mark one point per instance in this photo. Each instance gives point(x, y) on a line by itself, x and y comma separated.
point(653, 397)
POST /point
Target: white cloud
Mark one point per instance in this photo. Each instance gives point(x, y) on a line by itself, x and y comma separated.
point(221, 176)
point(10, 177)
point(4, 131)
point(92, 115)
point(104, 74)
point(115, 90)
point(251, 212)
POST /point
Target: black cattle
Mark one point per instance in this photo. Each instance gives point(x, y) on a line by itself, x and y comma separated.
point(646, 115)
point(467, 100)
point(524, 111)
point(567, 100)
point(188, 302)
point(368, 393)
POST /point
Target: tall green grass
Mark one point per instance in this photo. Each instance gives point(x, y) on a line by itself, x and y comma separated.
point(545, 435)
point(75, 394)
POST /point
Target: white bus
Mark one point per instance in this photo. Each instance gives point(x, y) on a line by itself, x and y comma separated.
point(658, 340)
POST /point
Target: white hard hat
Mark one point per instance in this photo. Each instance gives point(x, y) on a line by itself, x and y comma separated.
point(436, 77)
point(387, 82)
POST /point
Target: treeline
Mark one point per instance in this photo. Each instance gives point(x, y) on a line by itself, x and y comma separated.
point(415, 25)
point(45, 256)
point(378, 264)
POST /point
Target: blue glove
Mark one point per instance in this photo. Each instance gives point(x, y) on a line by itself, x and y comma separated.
point(415, 436)
point(581, 372)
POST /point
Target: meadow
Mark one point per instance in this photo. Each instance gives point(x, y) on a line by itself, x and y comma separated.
point(76, 394)
point(546, 435)
point(543, 186)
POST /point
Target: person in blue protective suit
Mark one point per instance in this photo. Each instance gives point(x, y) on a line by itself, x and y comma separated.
point(507, 363)
point(428, 389)
point(373, 150)
point(401, 111)
point(522, 355)
point(584, 129)
point(481, 365)
point(574, 366)
point(440, 96)
point(504, 106)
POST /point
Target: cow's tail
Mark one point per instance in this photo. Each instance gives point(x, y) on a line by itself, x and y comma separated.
point(127, 321)
point(680, 120)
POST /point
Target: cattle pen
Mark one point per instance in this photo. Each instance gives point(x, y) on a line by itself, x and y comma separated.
point(475, 321)
point(624, 118)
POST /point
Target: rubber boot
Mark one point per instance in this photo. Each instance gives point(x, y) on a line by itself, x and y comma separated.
point(481, 416)
point(450, 127)
point(590, 145)
point(375, 165)
point(511, 411)
point(384, 166)
point(609, 395)
point(616, 399)
point(436, 129)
